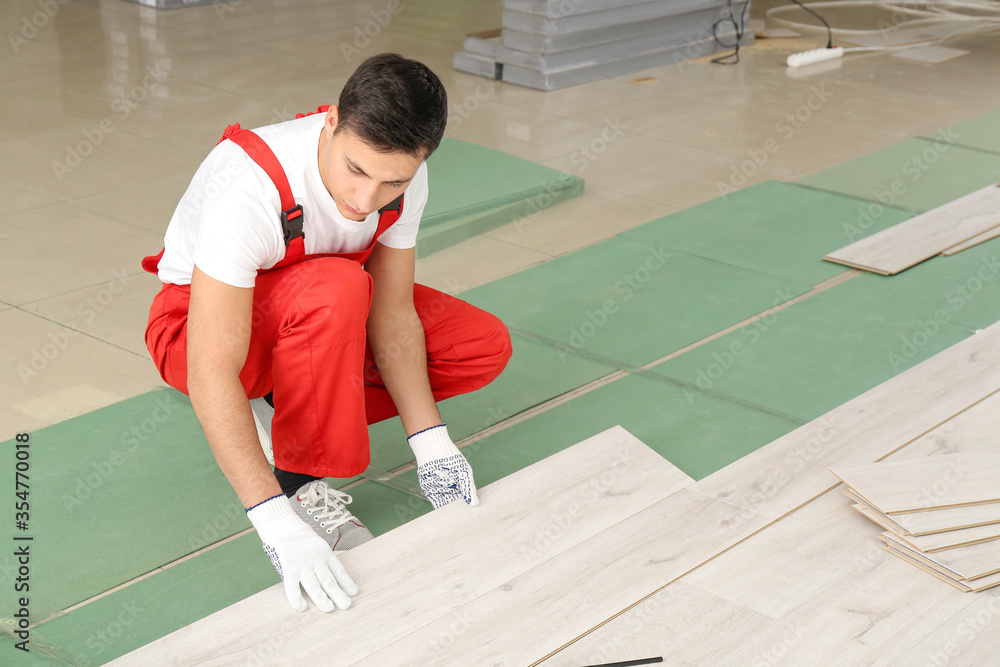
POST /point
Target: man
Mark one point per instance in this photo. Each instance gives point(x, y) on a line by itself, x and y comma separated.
point(290, 317)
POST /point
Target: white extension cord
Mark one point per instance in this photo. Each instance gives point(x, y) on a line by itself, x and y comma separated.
point(814, 56)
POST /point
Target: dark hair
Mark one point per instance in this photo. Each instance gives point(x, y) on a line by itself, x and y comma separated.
point(394, 104)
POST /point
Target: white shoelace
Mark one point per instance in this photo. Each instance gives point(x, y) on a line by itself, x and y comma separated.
point(329, 503)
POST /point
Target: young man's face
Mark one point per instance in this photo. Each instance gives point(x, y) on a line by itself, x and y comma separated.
point(359, 178)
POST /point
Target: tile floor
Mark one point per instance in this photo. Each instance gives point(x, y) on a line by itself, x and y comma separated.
point(109, 106)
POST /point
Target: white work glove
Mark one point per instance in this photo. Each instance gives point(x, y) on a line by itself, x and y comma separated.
point(301, 557)
point(443, 472)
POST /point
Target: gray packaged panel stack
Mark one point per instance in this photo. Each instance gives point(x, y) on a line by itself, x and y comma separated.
point(549, 44)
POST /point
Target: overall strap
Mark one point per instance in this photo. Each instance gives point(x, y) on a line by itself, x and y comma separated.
point(261, 153)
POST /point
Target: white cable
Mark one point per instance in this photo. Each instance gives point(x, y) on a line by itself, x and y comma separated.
point(939, 12)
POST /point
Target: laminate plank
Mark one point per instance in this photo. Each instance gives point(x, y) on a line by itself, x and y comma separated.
point(969, 638)
point(794, 559)
point(967, 563)
point(792, 470)
point(540, 611)
point(948, 533)
point(901, 246)
point(682, 623)
point(974, 241)
point(870, 617)
point(974, 586)
point(437, 563)
point(917, 485)
point(953, 539)
point(972, 431)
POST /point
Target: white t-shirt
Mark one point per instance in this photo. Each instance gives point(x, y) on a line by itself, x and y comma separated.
point(228, 221)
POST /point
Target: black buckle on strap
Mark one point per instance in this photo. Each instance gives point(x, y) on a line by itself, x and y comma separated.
point(395, 205)
point(291, 223)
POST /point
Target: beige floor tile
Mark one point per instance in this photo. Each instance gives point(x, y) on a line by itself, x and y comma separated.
point(594, 216)
point(17, 198)
point(527, 134)
point(115, 312)
point(76, 163)
point(51, 373)
point(260, 71)
point(107, 87)
point(62, 248)
point(591, 97)
point(660, 171)
point(767, 137)
point(198, 127)
point(149, 205)
point(474, 262)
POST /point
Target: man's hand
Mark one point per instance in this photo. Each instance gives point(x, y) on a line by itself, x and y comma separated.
point(301, 557)
point(443, 472)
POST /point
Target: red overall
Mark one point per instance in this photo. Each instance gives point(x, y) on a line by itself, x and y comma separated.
point(308, 342)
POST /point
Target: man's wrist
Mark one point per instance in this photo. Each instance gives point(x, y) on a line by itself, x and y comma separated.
point(275, 513)
point(432, 443)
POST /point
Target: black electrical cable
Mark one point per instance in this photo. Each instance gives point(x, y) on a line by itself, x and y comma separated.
point(829, 32)
point(740, 28)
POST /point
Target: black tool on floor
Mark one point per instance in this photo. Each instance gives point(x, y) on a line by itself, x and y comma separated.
point(630, 663)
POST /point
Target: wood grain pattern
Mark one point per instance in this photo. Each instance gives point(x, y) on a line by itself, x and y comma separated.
point(533, 614)
point(974, 241)
point(792, 470)
point(439, 562)
point(967, 563)
point(793, 560)
point(682, 623)
point(974, 586)
point(871, 616)
point(966, 639)
point(953, 539)
point(917, 485)
point(936, 541)
point(901, 246)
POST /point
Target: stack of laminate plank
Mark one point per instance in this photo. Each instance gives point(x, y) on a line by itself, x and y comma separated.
point(549, 44)
point(945, 230)
point(941, 513)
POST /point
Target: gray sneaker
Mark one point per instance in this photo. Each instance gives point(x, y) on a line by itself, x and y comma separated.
point(262, 416)
point(325, 510)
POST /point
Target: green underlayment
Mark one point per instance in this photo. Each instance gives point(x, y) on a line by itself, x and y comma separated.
point(981, 132)
point(464, 202)
point(914, 175)
point(701, 410)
